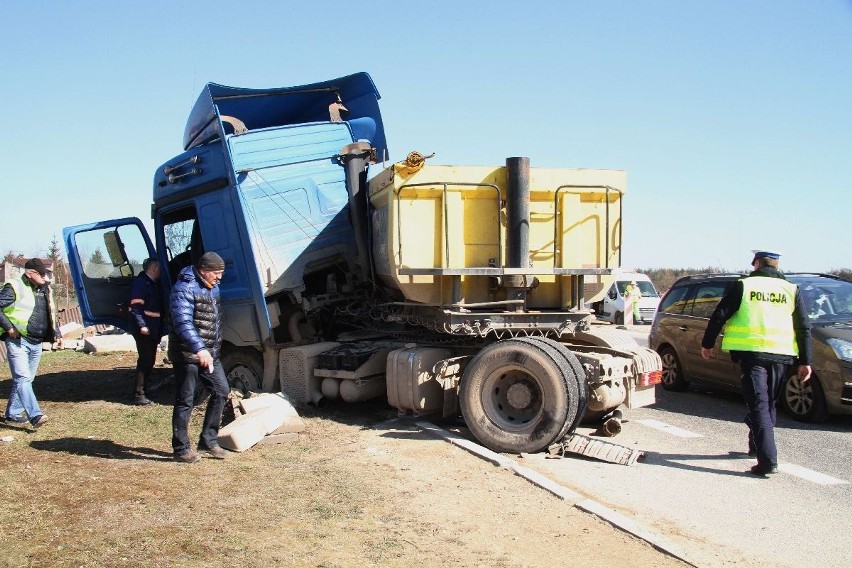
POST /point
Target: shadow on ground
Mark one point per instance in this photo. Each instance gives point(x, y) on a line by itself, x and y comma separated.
point(100, 449)
point(109, 385)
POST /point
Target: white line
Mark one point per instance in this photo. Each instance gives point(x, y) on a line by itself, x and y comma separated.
point(810, 475)
point(669, 429)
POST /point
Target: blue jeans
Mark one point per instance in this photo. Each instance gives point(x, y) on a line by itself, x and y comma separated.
point(187, 377)
point(24, 358)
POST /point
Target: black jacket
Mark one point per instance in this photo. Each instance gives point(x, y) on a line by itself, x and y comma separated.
point(196, 318)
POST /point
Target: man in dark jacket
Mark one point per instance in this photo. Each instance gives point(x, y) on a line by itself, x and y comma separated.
point(195, 339)
point(146, 305)
point(27, 320)
point(766, 331)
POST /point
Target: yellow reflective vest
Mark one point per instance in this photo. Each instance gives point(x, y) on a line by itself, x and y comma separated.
point(20, 311)
point(764, 321)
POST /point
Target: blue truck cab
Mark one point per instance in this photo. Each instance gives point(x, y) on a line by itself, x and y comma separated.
point(265, 180)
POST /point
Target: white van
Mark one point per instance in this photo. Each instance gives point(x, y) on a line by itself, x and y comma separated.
point(608, 303)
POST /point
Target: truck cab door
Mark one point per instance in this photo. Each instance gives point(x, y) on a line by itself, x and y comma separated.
point(104, 258)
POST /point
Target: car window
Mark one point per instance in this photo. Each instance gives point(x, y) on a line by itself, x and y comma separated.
point(674, 300)
point(707, 296)
point(826, 299)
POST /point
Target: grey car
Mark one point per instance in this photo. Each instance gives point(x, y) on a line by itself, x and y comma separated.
point(682, 318)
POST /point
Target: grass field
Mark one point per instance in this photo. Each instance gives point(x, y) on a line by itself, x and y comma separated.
point(97, 484)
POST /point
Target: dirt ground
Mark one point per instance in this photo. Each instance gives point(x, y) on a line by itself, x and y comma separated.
point(96, 486)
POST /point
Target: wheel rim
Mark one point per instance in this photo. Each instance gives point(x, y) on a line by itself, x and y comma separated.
point(242, 377)
point(670, 370)
point(799, 397)
point(511, 398)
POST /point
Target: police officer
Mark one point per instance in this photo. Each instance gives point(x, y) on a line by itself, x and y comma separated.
point(766, 331)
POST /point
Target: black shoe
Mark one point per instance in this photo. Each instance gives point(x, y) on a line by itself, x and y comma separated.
point(142, 400)
point(764, 471)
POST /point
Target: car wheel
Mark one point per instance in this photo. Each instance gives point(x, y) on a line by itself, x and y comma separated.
point(619, 318)
point(805, 402)
point(673, 378)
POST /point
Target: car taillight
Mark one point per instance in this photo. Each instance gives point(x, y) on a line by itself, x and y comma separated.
point(650, 378)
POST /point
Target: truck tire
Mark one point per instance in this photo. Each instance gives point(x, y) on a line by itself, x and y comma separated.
point(578, 374)
point(244, 368)
point(804, 402)
point(618, 318)
point(519, 396)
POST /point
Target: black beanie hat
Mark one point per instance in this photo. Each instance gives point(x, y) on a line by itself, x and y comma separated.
point(211, 261)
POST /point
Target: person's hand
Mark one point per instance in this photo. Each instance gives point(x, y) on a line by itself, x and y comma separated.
point(144, 331)
point(804, 373)
point(706, 353)
point(14, 333)
point(205, 359)
point(58, 344)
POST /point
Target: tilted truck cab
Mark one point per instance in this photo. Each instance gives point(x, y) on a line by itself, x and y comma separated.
point(445, 288)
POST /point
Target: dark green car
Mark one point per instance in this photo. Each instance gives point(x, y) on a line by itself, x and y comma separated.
point(682, 318)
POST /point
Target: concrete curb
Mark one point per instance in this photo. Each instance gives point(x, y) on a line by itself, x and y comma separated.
point(617, 520)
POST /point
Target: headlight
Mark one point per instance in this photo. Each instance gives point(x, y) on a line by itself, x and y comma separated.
point(842, 347)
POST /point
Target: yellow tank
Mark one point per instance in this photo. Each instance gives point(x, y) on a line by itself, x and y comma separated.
point(440, 232)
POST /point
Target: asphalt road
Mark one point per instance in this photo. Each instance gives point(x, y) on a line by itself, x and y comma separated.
point(693, 485)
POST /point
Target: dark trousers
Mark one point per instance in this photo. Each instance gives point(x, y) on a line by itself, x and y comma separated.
point(762, 381)
point(188, 377)
point(146, 347)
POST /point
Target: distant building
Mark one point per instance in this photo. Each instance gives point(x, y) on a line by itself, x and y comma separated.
point(11, 269)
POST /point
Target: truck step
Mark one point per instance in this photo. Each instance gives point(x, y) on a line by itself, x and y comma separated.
point(597, 449)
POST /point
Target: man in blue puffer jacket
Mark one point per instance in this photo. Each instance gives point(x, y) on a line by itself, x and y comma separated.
point(195, 340)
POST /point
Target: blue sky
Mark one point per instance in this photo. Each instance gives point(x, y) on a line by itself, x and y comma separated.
point(732, 119)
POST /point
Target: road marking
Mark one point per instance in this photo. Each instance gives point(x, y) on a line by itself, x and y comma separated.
point(669, 429)
point(810, 475)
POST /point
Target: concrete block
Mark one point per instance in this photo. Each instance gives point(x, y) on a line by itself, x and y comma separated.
point(71, 330)
point(292, 425)
point(288, 438)
point(242, 433)
point(249, 429)
point(109, 343)
point(75, 344)
point(268, 400)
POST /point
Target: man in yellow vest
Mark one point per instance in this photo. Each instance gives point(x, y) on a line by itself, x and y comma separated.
point(632, 295)
point(766, 331)
point(27, 320)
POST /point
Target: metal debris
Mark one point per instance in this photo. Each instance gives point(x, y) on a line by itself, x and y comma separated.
point(595, 448)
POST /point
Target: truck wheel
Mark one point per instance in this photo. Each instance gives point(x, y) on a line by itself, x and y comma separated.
point(673, 378)
point(619, 318)
point(804, 402)
point(518, 396)
point(578, 373)
point(244, 369)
